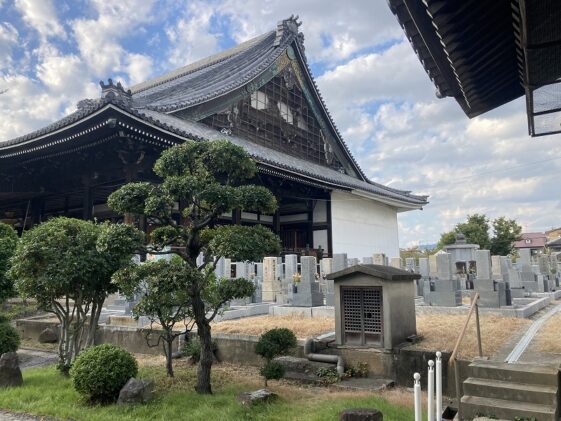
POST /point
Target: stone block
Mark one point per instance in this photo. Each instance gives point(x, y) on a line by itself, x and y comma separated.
point(444, 266)
point(257, 396)
point(410, 264)
point(367, 261)
point(424, 268)
point(10, 373)
point(483, 264)
point(379, 259)
point(48, 336)
point(339, 261)
point(361, 414)
point(271, 285)
point(136, 391)
point(353, 261)
point(326, 266)
point(290, 266)
point(395, 262)
point(432, 265)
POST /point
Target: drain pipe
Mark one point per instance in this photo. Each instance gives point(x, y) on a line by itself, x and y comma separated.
point(324, 358)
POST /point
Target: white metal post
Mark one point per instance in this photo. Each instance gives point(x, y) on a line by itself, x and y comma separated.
point(417, 391)
point(430, 391)
point(439, 386)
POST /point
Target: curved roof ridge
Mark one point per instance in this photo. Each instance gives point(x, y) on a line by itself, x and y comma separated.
point(198, 65)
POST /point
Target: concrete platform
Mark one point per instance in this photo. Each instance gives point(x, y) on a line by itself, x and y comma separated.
point(284, 310)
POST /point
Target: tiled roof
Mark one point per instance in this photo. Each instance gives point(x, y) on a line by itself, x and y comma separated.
point(199, 131)
point(536, 240)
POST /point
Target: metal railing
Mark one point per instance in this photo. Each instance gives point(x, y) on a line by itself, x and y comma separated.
point(454, 358)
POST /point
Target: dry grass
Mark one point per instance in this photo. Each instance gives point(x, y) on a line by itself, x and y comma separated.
point(303, 327)
point(289, 390)
point(441, 331)
point(548, 339)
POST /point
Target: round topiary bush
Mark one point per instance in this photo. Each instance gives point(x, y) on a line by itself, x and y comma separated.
point(272, 370)
point(9, 338)
point(100, 372)
point(275, 342)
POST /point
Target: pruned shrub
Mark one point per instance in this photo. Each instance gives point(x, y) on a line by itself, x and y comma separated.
point(9, 338)
point(272, 370)
point(275, 342)
point(100, 372)
point(271, 344)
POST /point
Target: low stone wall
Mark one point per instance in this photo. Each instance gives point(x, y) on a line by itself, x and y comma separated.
point(322, 311)
point(399, 364)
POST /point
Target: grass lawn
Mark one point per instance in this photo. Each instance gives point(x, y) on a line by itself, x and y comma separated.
point(47, 393)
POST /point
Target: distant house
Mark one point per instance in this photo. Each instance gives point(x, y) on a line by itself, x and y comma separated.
point(535, 241)
point(553, 234)
point(555, 245)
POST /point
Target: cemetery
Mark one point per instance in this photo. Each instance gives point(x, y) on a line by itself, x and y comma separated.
point(204, 245)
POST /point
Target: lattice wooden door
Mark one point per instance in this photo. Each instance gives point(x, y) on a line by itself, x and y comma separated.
point(362, 315)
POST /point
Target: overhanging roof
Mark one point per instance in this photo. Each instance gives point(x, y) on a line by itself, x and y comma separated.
point(487, 53)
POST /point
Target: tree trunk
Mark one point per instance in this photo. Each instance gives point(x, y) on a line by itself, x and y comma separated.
point(203, 329)
point(169, 357)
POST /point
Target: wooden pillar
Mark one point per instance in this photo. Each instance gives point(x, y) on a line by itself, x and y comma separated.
point(276, 222)
point(310, 225)
point(237, 217)
point(37, 209)
point(87, 207)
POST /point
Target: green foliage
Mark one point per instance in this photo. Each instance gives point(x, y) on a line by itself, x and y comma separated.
point(328, 376)
point(506, 232)
point(46, 394)
point(361, 370)
point(100, 372)
point(446, 239)
point(8, 243)
point(272, 370)
point(72, 259)
point(192, 348)
point(476, 231)
point(9, 338)
point(275, 342)
point(242, 243)
point(206, 179)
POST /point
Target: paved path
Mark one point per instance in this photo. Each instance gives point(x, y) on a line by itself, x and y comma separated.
point(521, 346)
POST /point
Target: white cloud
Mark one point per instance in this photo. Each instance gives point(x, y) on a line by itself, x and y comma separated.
point(8, 40)
point(41, 15)
point(191, 37)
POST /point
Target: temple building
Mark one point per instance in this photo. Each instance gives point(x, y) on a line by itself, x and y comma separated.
point(259, 95)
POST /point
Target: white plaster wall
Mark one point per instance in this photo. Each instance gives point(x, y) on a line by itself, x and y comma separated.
point(362, 226)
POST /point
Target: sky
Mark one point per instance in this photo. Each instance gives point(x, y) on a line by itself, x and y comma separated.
point(54, 53)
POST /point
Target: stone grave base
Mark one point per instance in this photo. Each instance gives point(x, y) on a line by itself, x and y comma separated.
point(319, 311)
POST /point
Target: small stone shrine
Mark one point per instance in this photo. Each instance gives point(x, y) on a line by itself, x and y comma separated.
point(374, 306)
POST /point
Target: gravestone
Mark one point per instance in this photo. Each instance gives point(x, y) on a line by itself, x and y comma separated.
point(353, 261)
point(483, 264)
point(290, 266)
point(271, 286)
point(432, 265)
point(326, 266)
point(410, 264)
point(338, 262)
point(220, 269)
point(379, 259)
point(444, 291)
point(259, 271)
point(395, 262)
point(227, 268)
point(496, 267)
point(424, 269)
point(306, 292)
point(524, 261)
point(367, 260)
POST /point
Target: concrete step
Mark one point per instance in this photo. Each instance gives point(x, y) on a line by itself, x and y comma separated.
point(517, 392)
point(473, 406)
point(515, 373)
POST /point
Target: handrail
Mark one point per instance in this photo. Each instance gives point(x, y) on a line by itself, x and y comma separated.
point(454, 356)
point(463, 332)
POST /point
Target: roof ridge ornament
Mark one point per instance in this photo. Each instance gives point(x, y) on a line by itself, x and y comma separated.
point(115, 93)
point(288, 27)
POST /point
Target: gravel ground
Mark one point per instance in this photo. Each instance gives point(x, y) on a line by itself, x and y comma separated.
point(9, 416)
